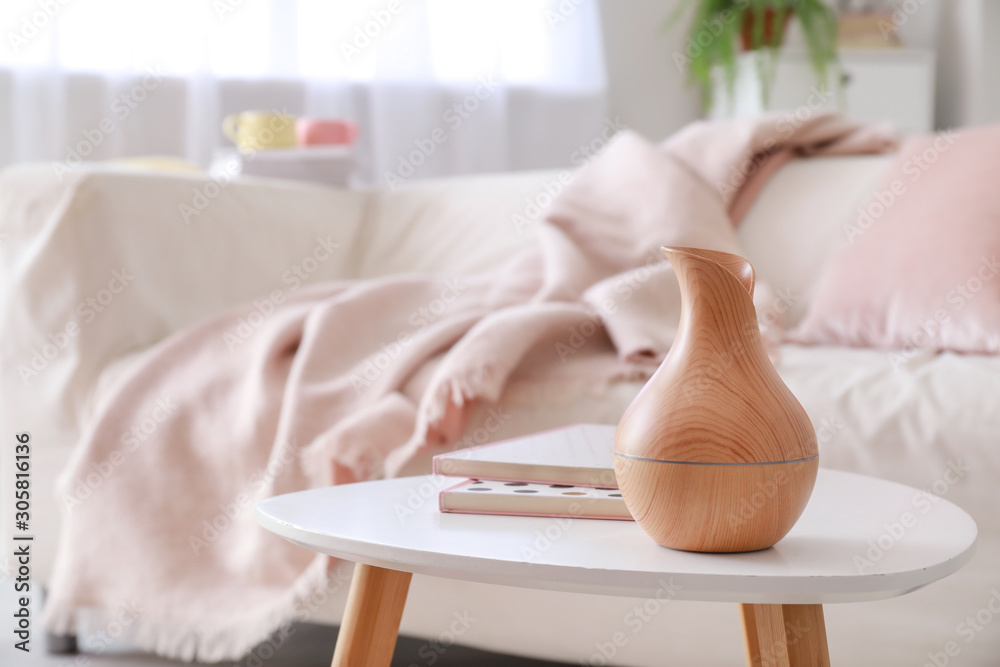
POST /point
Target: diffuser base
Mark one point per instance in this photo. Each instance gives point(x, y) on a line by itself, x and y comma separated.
point(715, 508)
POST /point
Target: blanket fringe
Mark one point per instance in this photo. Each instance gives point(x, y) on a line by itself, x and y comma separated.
point(481, 382)
point(199, 641)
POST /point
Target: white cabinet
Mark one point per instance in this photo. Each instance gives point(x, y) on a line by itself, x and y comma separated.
point(878, 85)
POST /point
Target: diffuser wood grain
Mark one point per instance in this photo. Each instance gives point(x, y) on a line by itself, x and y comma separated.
point(375, 604)
point(715, 453)
point(719, 508)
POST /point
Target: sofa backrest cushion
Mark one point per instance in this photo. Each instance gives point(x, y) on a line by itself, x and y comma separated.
point(463, 225)
point(801, 220)
point(456, 226)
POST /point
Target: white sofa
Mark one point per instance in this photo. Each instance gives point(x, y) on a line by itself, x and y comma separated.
point(933, 422)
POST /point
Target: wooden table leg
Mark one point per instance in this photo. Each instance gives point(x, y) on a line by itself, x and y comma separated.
point(751, 644)
point(785, 635)
point(371, 621)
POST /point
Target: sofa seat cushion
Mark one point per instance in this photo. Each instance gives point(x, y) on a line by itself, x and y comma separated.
point(798, 224)
point(930, 424)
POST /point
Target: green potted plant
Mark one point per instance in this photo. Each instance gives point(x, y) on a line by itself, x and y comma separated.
point(719, 29)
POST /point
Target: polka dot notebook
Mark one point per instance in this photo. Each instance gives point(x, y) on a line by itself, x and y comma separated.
point(475, 496)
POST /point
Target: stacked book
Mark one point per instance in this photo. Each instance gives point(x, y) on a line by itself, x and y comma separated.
point(567, 472)
point(327, 165)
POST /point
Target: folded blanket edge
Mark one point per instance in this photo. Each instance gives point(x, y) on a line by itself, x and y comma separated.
point(196, 640)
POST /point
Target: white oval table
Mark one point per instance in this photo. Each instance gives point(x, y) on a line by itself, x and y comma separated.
point(860, 538)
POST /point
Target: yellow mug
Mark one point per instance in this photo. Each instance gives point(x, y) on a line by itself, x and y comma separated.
point(256, 130)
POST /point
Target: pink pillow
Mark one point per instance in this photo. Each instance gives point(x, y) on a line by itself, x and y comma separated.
point(922, 269)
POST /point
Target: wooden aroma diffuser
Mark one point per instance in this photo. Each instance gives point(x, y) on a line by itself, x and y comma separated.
point(715, 453)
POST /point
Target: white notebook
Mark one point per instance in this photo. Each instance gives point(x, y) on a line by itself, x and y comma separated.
point(581, 455)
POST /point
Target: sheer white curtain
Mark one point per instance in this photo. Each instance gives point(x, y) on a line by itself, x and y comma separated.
point(437, 86)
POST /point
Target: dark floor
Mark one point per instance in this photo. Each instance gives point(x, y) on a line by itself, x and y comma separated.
point(305, 645)
point(312, 646)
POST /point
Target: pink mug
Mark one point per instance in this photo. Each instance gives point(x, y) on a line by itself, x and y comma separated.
point(318, 131)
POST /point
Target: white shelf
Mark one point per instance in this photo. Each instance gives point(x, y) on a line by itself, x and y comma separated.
point(328, 165)
point(894, 85)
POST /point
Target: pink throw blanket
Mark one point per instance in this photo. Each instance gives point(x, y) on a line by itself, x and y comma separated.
point(344, 383)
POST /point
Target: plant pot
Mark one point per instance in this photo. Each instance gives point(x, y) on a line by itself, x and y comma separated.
point(773, 34)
